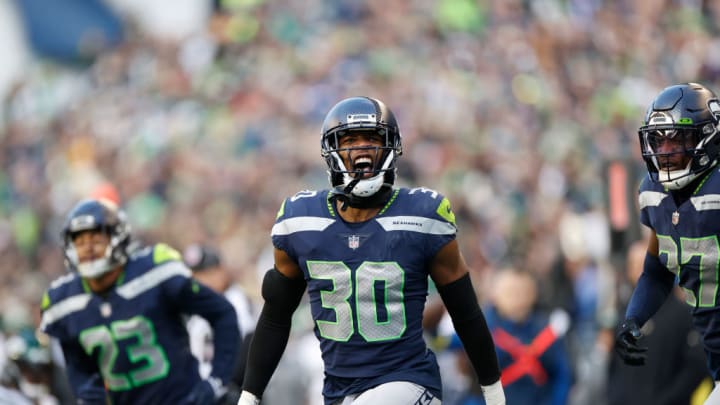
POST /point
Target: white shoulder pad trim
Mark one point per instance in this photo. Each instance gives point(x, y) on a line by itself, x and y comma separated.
point(63, 309)
point(299, 224)
point(153, 278)
point(63, 280)
point(651, 198)
point(417, 224)
point(706, 202)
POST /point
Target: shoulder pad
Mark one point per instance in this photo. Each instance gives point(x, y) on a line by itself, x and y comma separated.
point(445, 211)
point(45, 302)
point(58, 288)
point(163, 253)
point(303, 203)
point(648, 185)
point(429, 202)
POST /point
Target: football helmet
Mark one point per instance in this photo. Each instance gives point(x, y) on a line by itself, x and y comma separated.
point(686, 115)
point(93, 215)
point(360, 114)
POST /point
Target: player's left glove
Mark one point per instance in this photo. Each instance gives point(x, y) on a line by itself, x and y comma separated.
point(626, 343)
point(493, 393)
point(247, 398)
point(207, 391)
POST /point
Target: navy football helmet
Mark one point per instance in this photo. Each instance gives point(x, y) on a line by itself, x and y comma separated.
point(687, 115)
point(360, 114)
point(94, 215)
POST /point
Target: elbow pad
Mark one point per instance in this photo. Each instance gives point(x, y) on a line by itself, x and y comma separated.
point(282, 295)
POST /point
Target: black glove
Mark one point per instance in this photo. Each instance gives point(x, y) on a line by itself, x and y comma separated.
point(626, 343)
point(206, 392)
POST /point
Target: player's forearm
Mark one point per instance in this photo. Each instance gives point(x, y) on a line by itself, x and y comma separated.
point(470, 326)
point(652, 289)
point(266, 349)
point(221, 316)
point(87, 388)
point(282, 296)
point(226, 343)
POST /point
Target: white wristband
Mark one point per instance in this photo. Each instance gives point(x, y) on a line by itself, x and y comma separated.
point(493, 393)
point(247, 398)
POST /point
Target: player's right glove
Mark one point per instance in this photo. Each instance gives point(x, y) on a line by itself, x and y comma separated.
point(626, 343)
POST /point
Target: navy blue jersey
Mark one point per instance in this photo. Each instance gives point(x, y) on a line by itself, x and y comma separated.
point(689, 247)
point(367, 283)
point(132, 342)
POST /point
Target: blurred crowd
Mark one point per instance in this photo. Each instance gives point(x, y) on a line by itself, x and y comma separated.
point(513, 109)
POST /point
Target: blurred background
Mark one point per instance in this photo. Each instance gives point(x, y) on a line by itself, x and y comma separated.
point(200, 116)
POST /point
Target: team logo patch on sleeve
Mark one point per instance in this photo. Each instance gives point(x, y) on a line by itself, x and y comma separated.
point(445, 211)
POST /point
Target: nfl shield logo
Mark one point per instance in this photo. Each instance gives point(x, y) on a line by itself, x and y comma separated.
point(675, 218)
point(353, 242)
point(105, 309)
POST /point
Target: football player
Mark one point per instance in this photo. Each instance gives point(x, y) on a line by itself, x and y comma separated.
point(679, 201)
point(364, 250)
point(119, 317)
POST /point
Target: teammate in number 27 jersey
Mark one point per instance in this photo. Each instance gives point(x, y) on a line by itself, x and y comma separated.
point(679, 201)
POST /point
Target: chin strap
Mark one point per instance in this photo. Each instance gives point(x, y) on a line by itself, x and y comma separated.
point(345, 195)
point(346, 198)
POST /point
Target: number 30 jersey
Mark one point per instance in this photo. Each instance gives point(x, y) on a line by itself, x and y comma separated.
point(367, 283)
point(131, 344)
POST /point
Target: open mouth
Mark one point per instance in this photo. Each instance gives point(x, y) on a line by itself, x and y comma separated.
point(671, 162)
point(363, 166)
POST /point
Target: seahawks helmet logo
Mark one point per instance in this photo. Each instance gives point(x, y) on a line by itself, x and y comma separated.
point(660, 118)
point(356, 118)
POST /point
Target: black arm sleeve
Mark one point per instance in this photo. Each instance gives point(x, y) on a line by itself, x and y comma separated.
point(470, 326)
point(653, 287)
point(282, 296)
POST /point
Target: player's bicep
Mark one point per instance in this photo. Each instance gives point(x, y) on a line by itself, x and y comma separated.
point(448, 265)
point(653, 244)
point(286, 265)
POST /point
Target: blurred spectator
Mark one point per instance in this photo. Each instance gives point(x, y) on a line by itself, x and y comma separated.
point(534, 360)
point(31, 371)
point(106, 191)
point(207, 268)
point(676, 366)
